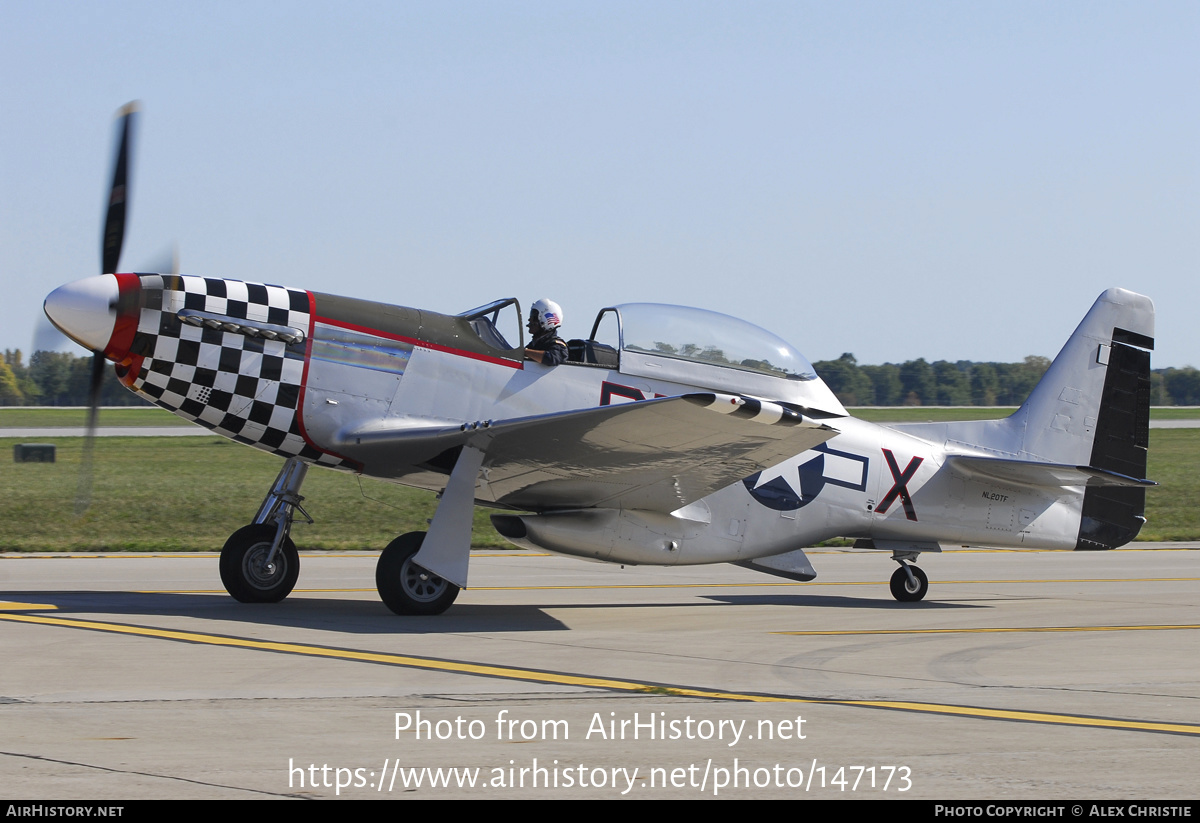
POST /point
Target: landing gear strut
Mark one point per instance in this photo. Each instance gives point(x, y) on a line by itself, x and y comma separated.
point(259, 563)
point(423, 572)
point(405, 587)
point(909, 583)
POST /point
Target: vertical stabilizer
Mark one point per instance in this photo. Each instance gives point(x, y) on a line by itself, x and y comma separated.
point(1092, 408)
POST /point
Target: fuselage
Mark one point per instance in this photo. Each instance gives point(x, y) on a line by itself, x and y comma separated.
point(295, 373)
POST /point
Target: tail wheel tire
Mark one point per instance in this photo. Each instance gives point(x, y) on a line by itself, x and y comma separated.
point(903, 589)
point(245, 571)
point(405, 587)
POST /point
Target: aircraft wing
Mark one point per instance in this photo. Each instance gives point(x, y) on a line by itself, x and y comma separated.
point(1032, 473)
point(656, 454)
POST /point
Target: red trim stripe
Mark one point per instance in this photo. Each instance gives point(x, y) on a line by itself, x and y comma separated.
point(129, 369)
point(308, 338)
point(126, 324)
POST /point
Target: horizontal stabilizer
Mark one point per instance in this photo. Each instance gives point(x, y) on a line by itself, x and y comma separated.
point(1033, 473)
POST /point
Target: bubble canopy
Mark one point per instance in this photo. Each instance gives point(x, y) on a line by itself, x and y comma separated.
point(708, 337)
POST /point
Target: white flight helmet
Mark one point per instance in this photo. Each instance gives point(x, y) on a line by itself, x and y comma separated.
point(547, 313)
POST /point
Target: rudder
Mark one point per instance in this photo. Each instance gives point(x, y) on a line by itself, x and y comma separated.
point(1112, 516)
point(1092, 408)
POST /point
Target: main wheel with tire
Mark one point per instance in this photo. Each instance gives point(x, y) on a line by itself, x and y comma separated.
point(245, 571)
point(405, 587)
point(903, 588)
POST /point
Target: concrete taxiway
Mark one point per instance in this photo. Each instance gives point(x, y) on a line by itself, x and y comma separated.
point(1030, 675)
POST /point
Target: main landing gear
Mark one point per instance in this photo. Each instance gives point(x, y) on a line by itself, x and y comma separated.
point(444, 552)
point(909, 583)
point(405, 587)
point(259, 563)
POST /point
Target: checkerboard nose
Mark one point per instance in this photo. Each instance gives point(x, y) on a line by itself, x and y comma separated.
point(86, 310)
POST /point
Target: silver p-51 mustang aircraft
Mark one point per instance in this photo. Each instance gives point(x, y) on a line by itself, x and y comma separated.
point(671, 436)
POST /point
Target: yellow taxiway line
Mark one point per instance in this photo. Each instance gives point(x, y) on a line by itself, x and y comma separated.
point(587, 681)
point(996, 629)
point(746, 585)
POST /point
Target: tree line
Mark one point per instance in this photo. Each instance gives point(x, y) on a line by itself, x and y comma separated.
point(62, 379)
point(967, 383)
point(52, 378)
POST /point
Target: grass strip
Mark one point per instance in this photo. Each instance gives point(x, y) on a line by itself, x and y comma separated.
point(180, 494)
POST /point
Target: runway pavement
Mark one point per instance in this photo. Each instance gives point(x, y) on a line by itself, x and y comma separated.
point(1024, 675)
point(111, 431)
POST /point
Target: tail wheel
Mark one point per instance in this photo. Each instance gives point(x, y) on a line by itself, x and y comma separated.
point(903, 588)
point(405, 587)
point(245, 571)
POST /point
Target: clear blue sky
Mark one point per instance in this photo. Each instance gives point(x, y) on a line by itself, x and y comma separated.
point(897, 180)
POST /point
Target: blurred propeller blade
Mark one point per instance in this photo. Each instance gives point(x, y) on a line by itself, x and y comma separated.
point(110, 254)
point(83, 493)
point(118, 195)
point(167, 262)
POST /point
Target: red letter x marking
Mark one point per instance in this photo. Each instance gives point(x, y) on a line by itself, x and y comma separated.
point(900, 487)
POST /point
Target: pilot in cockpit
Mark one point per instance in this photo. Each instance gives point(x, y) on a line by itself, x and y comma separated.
point(546, 347)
